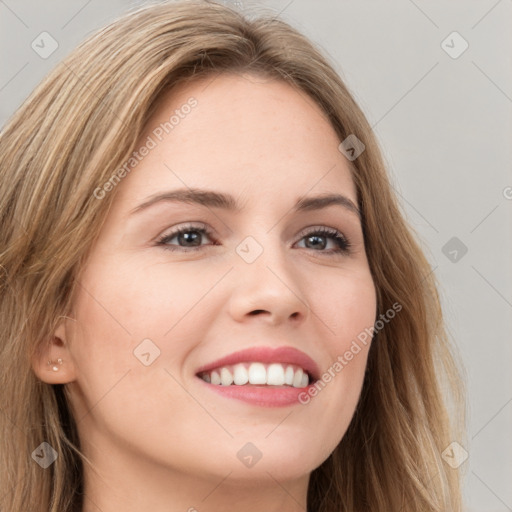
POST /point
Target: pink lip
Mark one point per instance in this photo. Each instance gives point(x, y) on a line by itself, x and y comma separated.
point(268, 396)
point(268, 355)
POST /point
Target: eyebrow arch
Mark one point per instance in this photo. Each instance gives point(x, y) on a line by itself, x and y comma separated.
point(213, 199)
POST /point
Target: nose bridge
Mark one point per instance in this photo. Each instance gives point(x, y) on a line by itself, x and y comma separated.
point(264, 280)
point(260, 252)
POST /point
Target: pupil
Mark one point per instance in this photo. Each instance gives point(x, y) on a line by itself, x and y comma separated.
point(317, 238)
point(187, 237)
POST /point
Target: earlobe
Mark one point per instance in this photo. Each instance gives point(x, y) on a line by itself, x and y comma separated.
point(55, 364)
point(52, 362)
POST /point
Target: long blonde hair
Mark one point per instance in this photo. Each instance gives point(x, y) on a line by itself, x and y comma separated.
point(78, 127)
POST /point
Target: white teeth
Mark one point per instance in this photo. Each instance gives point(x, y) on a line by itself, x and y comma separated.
point(274, 374)
point(241, 375)
point(297, 378)
point(215, 378)
point(226, 379)
point(257, 374)
point(288, 376)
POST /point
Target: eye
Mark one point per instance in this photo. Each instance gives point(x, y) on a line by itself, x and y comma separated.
point(190, 236)
point(317, 239)
point(189, 239)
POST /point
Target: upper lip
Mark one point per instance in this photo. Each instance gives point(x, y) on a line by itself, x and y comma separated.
point(282, 355)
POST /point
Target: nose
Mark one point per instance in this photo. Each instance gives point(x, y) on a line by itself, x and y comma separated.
point(268, 289)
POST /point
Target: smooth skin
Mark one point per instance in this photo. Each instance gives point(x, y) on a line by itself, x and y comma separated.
point(160, 440)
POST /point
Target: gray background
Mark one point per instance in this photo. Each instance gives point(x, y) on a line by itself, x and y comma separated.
point(445, 128)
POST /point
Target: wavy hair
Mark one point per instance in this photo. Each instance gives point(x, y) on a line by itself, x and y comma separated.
point(77, 128)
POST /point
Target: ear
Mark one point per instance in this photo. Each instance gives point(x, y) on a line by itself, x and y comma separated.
point(52, 362)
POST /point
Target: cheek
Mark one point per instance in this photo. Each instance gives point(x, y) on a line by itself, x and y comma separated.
point(135, 318)
point(346, 307)
point(345, 304)
point(130, 301)
point(116, 316)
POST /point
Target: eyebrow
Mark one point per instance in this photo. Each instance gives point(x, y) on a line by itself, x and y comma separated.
point(212, 199)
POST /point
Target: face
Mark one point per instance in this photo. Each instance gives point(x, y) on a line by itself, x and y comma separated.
point(172, 286)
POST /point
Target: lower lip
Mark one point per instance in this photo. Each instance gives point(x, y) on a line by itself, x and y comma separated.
point(265, 396)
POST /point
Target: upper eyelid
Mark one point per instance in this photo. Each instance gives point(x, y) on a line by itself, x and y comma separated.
point(206, 228)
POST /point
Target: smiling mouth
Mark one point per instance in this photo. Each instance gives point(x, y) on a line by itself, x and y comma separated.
point(258, 374)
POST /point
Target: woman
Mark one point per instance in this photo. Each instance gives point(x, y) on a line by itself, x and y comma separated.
point(210, 298)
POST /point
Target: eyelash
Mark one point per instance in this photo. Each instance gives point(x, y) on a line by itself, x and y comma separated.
point(344, 246)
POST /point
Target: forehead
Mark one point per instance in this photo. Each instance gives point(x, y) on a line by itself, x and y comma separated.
point(258, 136)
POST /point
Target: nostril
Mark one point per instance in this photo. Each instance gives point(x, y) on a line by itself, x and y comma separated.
point(256, 311)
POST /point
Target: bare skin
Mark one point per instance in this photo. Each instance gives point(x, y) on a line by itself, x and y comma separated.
point(159, 438)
